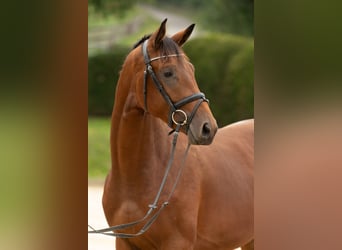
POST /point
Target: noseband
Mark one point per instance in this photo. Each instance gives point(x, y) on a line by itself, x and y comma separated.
point(174, 106)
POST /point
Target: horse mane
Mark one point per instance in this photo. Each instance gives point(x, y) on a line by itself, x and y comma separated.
point(143, 39)
point(167, 47)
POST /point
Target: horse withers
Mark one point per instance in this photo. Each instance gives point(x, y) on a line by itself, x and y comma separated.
point(212, 205)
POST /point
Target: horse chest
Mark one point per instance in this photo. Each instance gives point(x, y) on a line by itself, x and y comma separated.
point(127, 211)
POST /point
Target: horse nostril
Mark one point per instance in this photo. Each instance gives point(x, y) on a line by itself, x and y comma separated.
point(206, 130)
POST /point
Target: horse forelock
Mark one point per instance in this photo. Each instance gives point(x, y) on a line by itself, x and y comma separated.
point(168, 47)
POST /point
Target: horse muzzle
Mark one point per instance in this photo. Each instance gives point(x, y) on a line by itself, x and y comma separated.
point(202, 133)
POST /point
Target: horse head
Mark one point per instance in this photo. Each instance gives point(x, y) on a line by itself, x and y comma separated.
point(166, 86)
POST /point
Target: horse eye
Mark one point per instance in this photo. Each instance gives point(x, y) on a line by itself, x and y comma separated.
point(168, 74)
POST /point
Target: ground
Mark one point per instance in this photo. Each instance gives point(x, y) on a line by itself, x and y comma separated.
point(96, 218)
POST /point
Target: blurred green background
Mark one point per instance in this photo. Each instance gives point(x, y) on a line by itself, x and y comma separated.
point(221, 49)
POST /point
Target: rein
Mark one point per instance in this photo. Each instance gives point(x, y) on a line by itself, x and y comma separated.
point(174, 109)
point(154, 205)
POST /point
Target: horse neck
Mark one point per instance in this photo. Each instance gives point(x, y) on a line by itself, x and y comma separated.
point(139, 141)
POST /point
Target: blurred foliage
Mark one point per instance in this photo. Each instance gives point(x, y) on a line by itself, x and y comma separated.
point(107, 7)
point(224, 72)
point(231, 16)
point(228, 16)
point(103, 73)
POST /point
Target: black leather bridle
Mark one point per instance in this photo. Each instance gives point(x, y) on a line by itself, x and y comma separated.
point(174, 106)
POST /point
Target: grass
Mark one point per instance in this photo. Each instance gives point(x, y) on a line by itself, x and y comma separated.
point(98, 147)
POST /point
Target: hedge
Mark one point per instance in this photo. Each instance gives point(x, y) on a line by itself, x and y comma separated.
point(224, 71)
point(103, 74)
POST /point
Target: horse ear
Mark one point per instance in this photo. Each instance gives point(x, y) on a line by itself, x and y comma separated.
point(181, 37)
point(158, 36)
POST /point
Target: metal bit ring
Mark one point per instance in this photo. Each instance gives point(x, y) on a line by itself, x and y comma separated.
point(177, 122)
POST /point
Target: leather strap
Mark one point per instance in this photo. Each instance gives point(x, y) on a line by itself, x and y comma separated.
point(154, 205)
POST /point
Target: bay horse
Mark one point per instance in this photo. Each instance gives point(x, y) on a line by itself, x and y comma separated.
point(212, 206)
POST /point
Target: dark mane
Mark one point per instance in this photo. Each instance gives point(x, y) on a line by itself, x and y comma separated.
point(167, 47)
point(143, 39)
